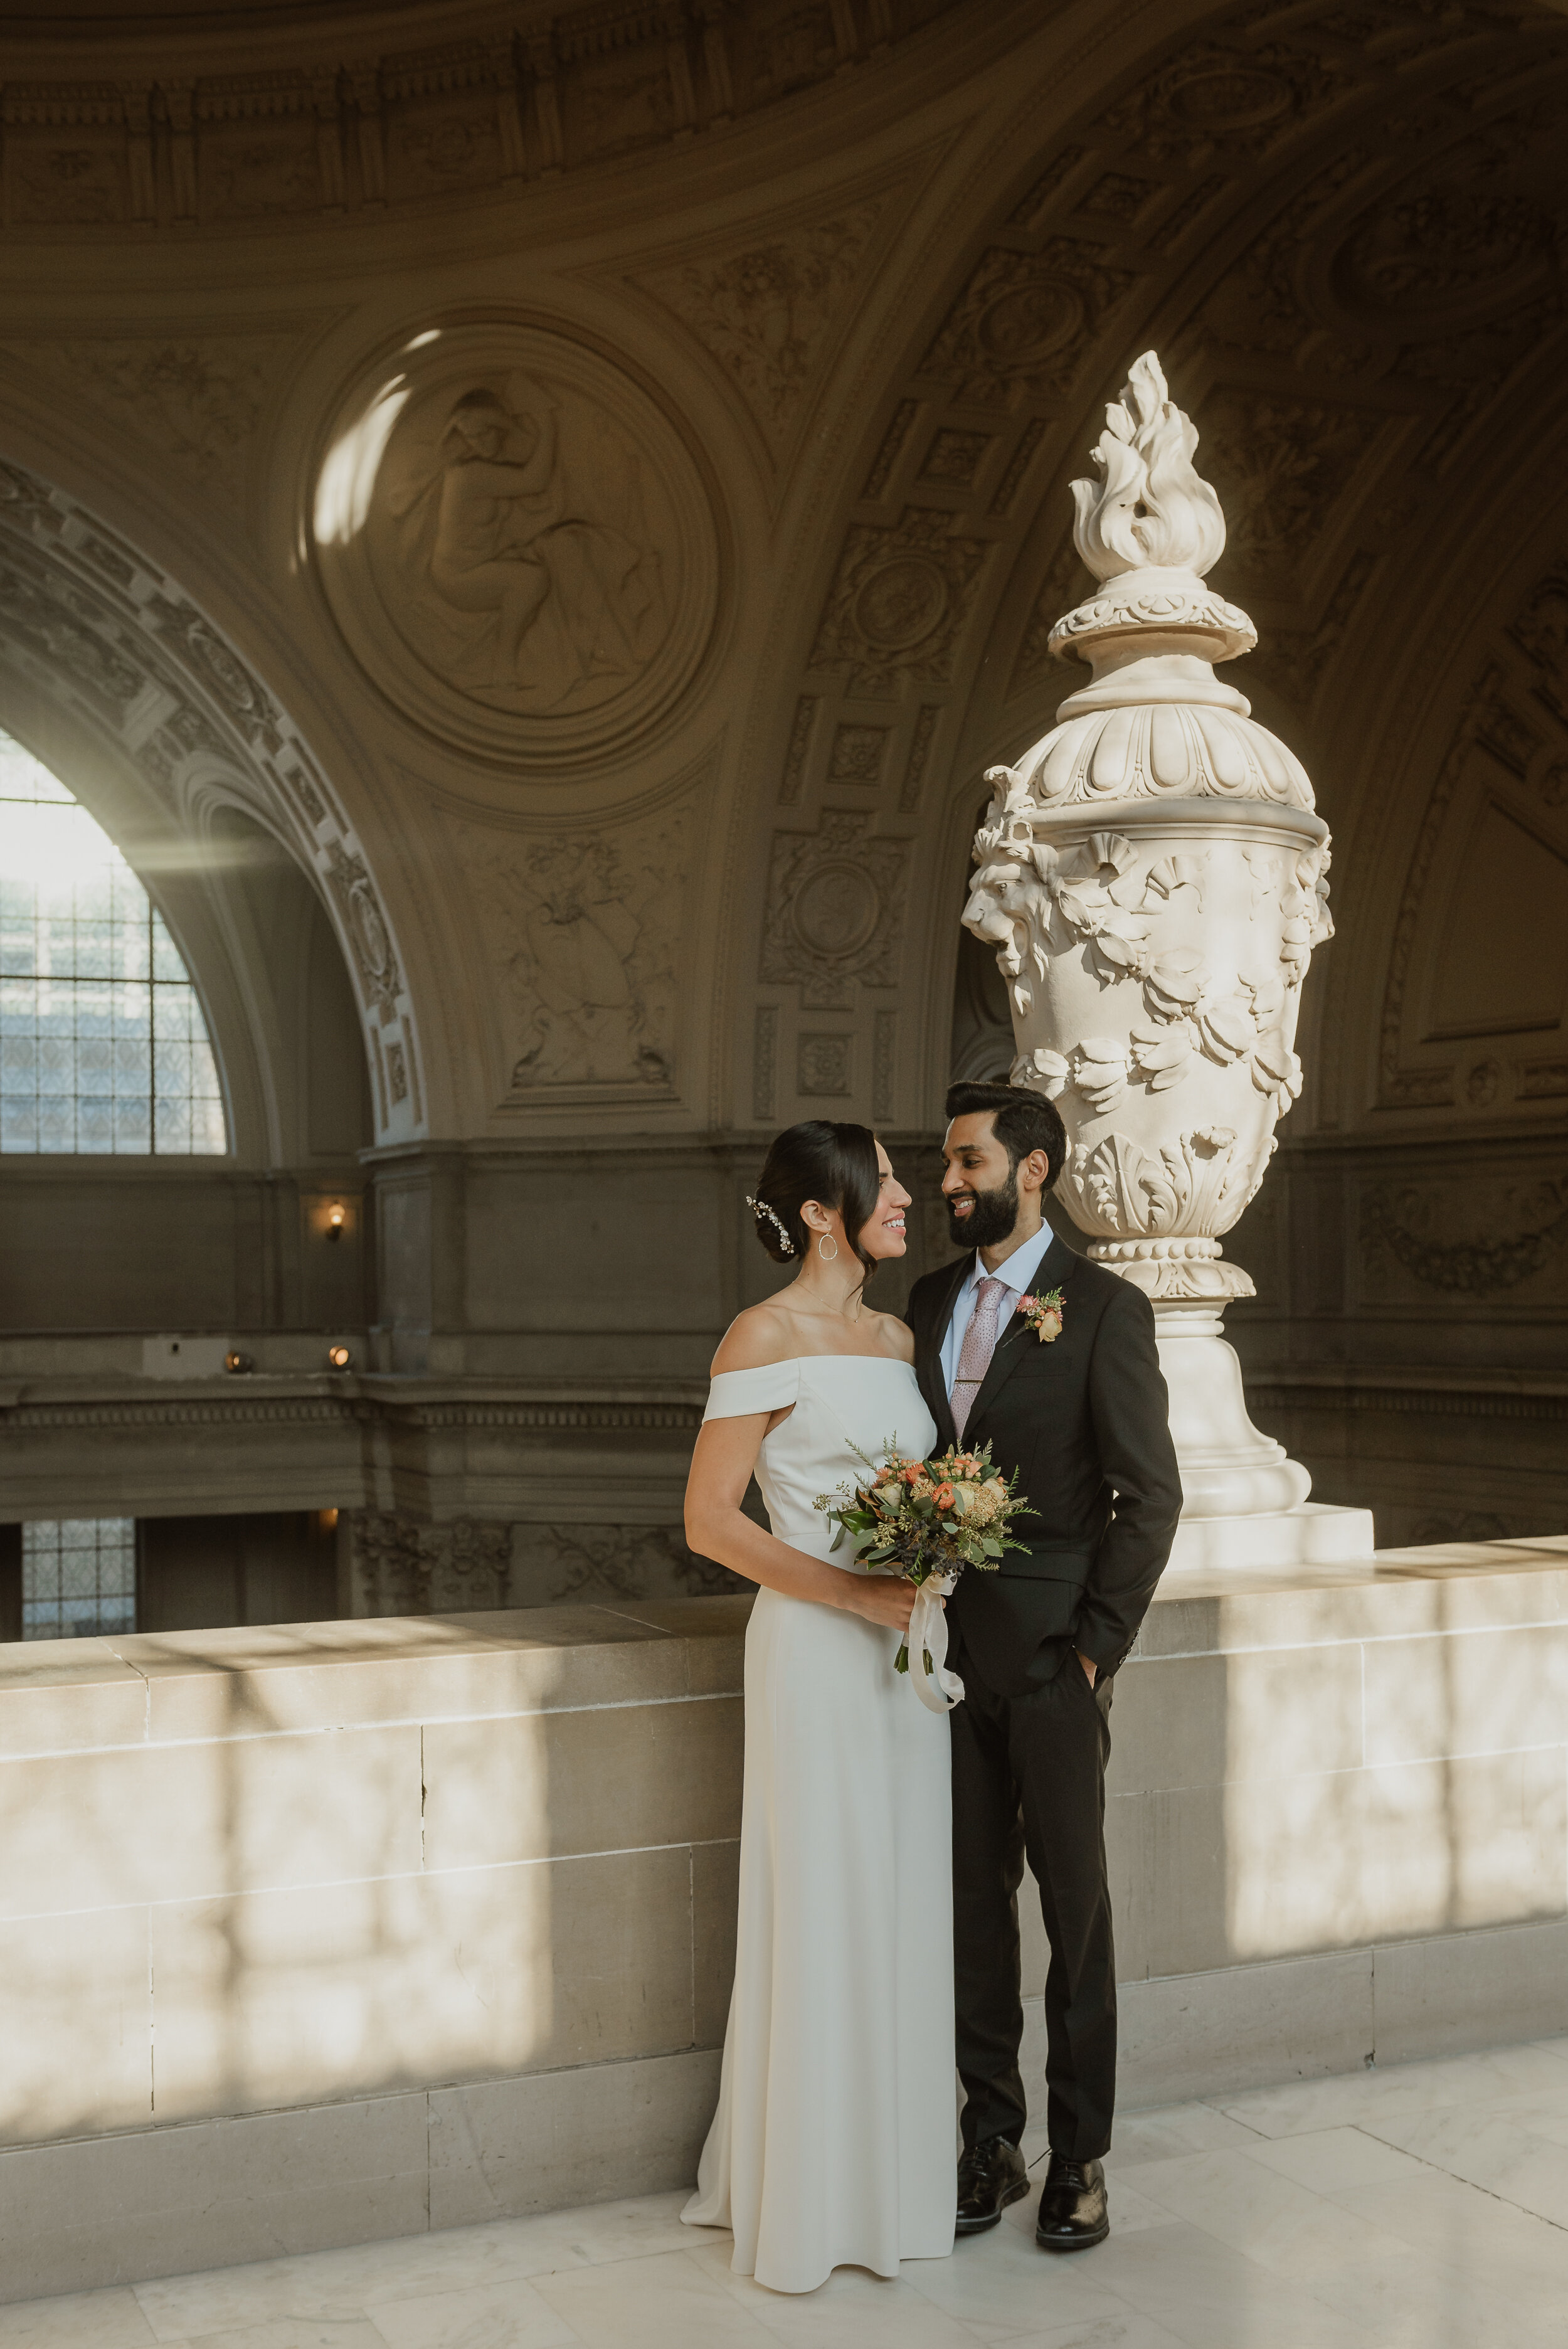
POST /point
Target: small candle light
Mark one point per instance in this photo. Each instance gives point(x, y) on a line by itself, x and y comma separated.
point(336, 1216)
point(338, 1358)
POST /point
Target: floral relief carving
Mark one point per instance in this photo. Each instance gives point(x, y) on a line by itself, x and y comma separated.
point(401, 1566)
point(835, 910)
point(67, 630)
point(1258, 303)
point(626, 1562)
point(1462, 227)
point(1280, 466)
point(75, 183)
point(1212, 98)
point(586, 925)
point(1023, 323)
point(253, 174)
point(1194, 1182)
point(1450, 1240)
point(1108, 899)
point(199, 400)
point(1153, 967)
point(765, 313)
point(1529, 658)
point(365, 928)
point(899, 601)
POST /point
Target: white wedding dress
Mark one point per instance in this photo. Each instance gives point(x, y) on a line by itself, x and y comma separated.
point(833, 2144)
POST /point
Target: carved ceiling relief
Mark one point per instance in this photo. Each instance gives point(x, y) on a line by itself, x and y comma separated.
point(1468, 1238)
point(1281, 468)
point(506, 103)
point(766, 312)
point(587, 926)
point(898, 604)
point(1505, 778)
point(198, 398)
point(834, 912)
point(97, 629)
point(516, 544)
point(1025, 323)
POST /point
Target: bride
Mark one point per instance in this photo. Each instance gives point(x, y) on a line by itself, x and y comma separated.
point(833, 2141)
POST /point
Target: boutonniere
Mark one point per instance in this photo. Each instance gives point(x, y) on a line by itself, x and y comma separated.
point(1044, 1315)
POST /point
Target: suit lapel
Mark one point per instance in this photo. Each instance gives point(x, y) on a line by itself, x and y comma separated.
point(1053, 1270)
point(928, 1364)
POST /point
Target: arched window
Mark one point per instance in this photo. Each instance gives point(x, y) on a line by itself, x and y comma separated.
point(103, 1046)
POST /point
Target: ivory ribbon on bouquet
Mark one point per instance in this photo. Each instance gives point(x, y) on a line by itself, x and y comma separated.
point(938, 1690)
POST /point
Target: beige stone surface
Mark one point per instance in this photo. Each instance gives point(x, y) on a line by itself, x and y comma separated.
point(350, 1899)
point(283, 1997)
point(509, 2147)
point(618, 1776)
point(110, 2209)
point(102, 1829)
point(75, 2023)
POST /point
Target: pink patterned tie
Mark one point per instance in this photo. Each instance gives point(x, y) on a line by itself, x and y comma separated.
point(974, 1354)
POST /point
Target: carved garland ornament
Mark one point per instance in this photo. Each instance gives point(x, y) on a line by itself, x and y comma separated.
point(1154, 967)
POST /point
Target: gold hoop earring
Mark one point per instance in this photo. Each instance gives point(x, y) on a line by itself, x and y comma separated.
point(823, 1248)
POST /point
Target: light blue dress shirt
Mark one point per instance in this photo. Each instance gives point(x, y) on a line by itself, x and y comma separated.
point(1017, 1270)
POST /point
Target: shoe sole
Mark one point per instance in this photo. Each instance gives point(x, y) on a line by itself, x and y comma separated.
point(1072, 2242)
point(982, 2226)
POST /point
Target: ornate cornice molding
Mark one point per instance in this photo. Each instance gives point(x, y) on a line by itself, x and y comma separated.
point(1346, 1390)
point(358, 1405)
point(305, 124)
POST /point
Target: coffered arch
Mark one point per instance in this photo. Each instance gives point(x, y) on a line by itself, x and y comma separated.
point(101, 651)
point(1341, 233)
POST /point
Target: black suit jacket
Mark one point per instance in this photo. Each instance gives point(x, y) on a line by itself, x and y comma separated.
point(1084, 1419)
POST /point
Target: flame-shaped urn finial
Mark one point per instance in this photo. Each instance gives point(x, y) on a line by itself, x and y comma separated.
point(1149, 508)
point(1152, 878)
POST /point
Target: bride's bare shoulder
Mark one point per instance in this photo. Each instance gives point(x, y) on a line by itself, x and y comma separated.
point(896, 1336)
point(760, 1335)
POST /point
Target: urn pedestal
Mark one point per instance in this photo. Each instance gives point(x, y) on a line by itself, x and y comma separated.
point(1152, 876)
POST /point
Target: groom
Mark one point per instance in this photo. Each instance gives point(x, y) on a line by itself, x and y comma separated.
point(1082, 1416)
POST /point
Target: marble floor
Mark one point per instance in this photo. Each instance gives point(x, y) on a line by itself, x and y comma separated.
point(1423, 2207)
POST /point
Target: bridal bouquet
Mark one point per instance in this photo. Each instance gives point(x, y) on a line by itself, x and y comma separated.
point(927, 1520)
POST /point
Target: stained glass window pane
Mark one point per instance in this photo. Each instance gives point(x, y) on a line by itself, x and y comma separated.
point(103, 1046)
point(78, 1578)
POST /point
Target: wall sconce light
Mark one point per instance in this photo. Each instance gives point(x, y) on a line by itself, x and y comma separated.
point(336, 1217)
point(338, 1358)
point(238, 1364)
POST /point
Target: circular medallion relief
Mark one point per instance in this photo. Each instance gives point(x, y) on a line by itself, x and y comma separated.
point(901, 603)
point(837, 910)
point(1438, 247)
point(1031, 322)
point(1230, 98)
point(515, 542)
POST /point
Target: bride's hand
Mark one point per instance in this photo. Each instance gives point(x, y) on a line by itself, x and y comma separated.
point(881, 1598)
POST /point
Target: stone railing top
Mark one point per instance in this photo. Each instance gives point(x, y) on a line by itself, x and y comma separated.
point(148, 1688)
point(61, 1696)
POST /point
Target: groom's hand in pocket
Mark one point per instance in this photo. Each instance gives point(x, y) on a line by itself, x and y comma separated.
point(1090, 1675)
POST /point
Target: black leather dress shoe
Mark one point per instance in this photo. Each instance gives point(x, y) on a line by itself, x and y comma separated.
point(990, 2175)
point(1074, 2212)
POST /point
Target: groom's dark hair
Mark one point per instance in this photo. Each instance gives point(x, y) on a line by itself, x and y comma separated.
point(1023, 1121)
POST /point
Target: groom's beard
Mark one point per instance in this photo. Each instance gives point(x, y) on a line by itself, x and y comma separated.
point(990, 1220)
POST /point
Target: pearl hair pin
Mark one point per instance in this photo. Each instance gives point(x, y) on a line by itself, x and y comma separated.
point(760, 1207)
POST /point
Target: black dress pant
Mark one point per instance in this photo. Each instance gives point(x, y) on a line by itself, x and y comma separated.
point(1028, 1776)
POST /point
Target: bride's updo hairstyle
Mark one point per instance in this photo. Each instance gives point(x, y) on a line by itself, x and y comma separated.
point(834, 1164)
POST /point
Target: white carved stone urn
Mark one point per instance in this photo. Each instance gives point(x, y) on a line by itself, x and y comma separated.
point(1153, 878)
